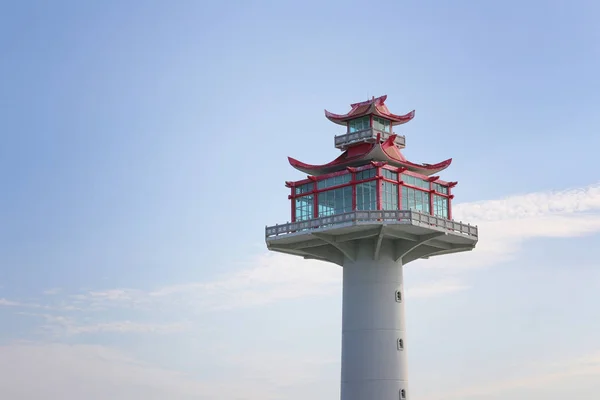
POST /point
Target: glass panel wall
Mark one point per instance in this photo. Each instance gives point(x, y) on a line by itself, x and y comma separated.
point(440, 188)
point(306, 188)
point(335, 201)
point(304, 207)
point(386, 173)
point(365, 174)
point(334, 181)
point(338, 201)
point(366, 196)
point(414, 181)
point(381, 124)
point(413, 199)
point(359, 124)
point(389, 196)
point(440, 206)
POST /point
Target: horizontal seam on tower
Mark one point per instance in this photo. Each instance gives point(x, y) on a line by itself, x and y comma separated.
point(382, 329)
point(382, 379)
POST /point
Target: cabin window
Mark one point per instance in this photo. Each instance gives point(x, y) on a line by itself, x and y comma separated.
point(358, 124)
point(440, 188)
point(334, 181)
point(365, 174)
point(389, 196)
point(335, 201)
point(366, 196)
point(400, 344)
point(402, 394)
point(414, 199)
point(304, 207)
point(391, 175)
point(440, 206)
point(306, 188)
point(381, 124)
point(414, 181)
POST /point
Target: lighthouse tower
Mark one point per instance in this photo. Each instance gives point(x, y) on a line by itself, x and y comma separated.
point(371, 211)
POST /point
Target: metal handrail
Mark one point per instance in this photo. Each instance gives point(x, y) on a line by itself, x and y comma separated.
point(366, 134)
point(361, 217)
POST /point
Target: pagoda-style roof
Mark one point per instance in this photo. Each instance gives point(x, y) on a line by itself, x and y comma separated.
point(375, 106)
point(366, 152)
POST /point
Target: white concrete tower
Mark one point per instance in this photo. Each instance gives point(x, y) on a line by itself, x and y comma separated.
point(371, 211)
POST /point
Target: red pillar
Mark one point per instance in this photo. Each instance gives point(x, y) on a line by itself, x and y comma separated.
point(293, 203)
point(353, 183)
point(378, 187)
point(450, 202)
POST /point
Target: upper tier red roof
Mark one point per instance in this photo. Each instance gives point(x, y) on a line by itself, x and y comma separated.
point(365, 152)
point(375, 106)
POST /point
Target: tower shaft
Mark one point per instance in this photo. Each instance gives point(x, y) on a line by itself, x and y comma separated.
point(373, 328)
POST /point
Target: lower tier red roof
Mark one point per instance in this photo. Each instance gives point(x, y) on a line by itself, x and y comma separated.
point(366, 152)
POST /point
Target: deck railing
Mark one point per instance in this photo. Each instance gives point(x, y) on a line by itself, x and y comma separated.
point(367, 135)
point(366, 217)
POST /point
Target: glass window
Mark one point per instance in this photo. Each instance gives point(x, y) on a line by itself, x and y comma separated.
point(366, 196)
point(440, 206)
point(304, 207)
point(335, 201)
point(381, 124)
point(306, 188)
point(389, 196)
point(414, 181)
point(334, 181)
point(365, 174)
point(414, 199)
point(440, 188)
point(358, 124)
point(389, 174)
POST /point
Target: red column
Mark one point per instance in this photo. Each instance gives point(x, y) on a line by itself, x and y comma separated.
point(315, 201)
point(450, 203)
point(399, 189)
point(378, 187)
point(293, 201)
point(431, 194)
point(353, 183)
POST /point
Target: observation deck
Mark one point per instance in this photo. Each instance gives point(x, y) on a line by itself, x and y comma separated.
point(411, 234)
point(370, 135)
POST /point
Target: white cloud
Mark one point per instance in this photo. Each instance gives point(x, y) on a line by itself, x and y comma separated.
point(8, 303)
point(531, 205)
point(99, 373)
point(73, 372)
point(60, 325)
point(504, 225)
point(544, 376)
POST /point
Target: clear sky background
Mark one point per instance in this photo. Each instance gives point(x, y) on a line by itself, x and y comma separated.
point(144, 149)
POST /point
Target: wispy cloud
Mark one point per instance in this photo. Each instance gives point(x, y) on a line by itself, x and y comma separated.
point(103, 373)
point(542, 375)
point(505, 225)
point(8, 303)
point(60, 325)
point(531, 205)
point(100, 373)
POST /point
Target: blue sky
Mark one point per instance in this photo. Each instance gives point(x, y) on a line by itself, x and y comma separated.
point(144, 150)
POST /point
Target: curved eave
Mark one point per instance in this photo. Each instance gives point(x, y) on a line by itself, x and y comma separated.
point(395, 119)
point(375, 153)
